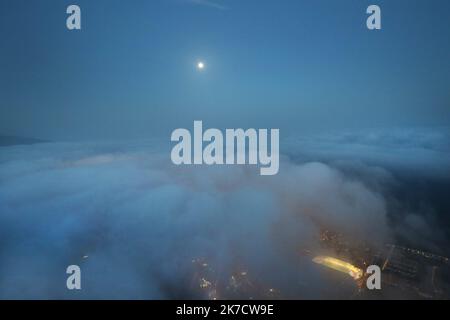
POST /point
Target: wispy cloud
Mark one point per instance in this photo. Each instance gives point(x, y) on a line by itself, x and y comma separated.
point(209, 3)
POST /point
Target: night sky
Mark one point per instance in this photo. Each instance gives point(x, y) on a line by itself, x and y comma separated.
point(295, 65)
point(364, 119)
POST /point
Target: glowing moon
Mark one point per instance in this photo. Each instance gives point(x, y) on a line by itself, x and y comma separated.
point(200, 65)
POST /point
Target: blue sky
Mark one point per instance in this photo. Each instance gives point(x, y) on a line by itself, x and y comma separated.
point(294, 65)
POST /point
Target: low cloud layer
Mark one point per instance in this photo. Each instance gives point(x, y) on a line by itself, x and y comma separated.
point(133, 221)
